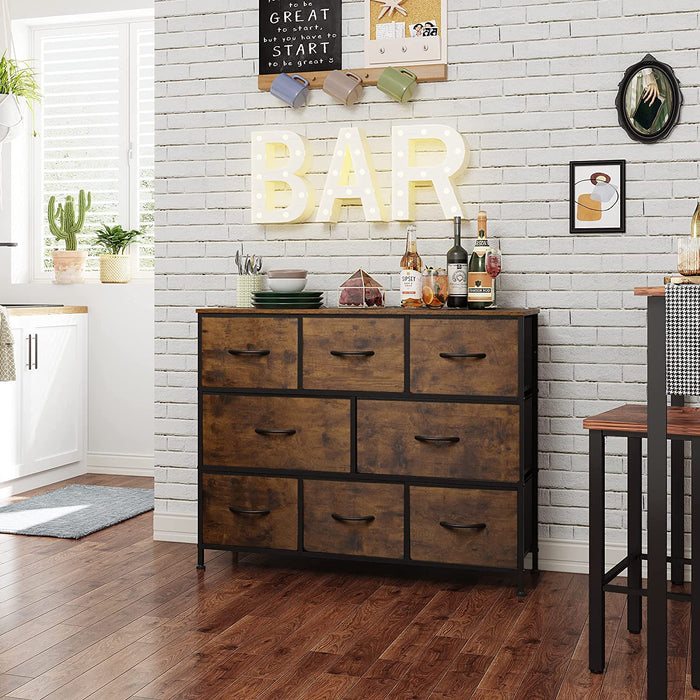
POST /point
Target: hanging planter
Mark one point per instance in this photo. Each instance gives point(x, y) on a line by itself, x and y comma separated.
point(10, 117)
point(17, 82)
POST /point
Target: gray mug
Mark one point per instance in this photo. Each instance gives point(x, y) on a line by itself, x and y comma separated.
point(292, 89)
point(345, 86)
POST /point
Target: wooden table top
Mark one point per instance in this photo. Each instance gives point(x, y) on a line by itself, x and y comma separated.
point(632, 418)
point(650, 291)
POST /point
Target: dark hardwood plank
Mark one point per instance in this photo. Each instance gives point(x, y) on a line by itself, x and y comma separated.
point(118, 616)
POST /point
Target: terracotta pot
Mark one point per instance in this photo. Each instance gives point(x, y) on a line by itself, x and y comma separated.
point(115, 268)
point(68, 265)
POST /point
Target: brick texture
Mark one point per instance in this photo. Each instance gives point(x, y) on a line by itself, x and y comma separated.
point(531, 86)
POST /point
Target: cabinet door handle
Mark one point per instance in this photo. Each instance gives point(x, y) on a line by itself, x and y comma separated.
point(423, 438)
point(265, 431)
point(455, 526)
point(352, 353)
point(352, 519)
point(36, 351)
point(29, 339)
point(241, 511)
point(255, 353)
point(456, 355)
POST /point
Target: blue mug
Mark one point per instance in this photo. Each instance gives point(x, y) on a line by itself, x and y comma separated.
point(292, 89)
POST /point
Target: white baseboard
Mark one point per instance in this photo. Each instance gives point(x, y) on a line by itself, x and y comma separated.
point(44, 478)
point(170, 527)
point(120, 464)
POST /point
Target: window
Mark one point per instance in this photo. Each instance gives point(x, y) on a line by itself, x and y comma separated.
point(95, 130)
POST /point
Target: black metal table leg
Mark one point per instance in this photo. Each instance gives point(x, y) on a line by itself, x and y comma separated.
point(200, 559)
point(695, 567)
point(657, 673)
point(596, 557)
point(634, 532)
point(677, 505)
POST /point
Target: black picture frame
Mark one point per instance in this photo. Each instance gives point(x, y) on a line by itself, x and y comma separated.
point(581, 171)
point(627, 122)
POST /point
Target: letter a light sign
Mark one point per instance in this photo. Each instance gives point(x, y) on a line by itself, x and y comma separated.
point(423, 155)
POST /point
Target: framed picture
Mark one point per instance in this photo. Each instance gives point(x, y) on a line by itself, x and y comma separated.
point(597, 196)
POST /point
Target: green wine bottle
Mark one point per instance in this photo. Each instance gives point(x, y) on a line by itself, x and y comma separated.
point(480, 285)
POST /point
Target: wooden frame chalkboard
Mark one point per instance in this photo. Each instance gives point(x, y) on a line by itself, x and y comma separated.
point(298, 36)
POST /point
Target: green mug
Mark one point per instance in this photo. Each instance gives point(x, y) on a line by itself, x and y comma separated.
point(398, 83)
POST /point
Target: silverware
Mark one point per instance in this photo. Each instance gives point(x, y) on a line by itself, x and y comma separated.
point(258, 264)
point(238, 262)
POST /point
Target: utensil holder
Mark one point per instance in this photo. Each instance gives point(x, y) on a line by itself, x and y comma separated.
point(247, 284)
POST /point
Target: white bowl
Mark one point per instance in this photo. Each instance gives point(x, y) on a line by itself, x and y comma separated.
point(287, 284)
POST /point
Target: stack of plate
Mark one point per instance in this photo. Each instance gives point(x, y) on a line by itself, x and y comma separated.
point(287, 300)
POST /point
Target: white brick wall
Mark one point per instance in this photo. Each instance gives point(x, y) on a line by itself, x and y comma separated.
point(531, 86)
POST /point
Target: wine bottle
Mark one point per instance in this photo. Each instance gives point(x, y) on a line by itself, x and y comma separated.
point(411, 268)
point(480, 291)
point(457, 270)
point(695, 223)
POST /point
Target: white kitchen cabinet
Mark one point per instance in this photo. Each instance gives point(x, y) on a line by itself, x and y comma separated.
point(43, 414)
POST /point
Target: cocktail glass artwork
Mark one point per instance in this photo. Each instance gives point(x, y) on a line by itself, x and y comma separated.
point(434, 287)
point(493, 269)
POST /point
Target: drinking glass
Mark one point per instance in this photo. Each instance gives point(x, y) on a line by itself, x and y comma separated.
point(493, 269)
point(434, 287)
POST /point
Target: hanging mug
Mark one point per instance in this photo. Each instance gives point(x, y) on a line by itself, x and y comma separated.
point(399, 84)
point(292, 89)
point(345, 86)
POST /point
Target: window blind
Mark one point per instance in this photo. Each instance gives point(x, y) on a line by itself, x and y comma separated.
point(96, 129)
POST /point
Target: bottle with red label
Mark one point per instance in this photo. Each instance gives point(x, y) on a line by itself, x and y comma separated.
point(480, 284)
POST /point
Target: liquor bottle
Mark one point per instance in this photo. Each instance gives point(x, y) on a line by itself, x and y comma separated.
point(411, 267)
point(480, 292)
point(457, 270)
point(695, 223)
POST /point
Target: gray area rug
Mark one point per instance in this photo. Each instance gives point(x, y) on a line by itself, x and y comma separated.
point(74, 511)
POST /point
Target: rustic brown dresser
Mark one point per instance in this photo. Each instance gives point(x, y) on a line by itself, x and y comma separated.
point(379, 435)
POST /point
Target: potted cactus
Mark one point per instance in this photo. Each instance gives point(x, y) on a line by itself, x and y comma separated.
point(115, 265)
point(69, 263)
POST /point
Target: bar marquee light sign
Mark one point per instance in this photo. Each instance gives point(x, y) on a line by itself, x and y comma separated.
point(425, 155)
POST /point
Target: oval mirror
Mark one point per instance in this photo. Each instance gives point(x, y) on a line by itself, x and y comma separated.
point(649, 100)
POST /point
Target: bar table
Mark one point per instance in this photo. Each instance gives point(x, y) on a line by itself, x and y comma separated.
point(657, 672)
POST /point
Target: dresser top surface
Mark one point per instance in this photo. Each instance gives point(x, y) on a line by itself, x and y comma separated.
point(388, 311)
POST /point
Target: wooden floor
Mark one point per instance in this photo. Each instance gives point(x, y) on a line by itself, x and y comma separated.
point(116, 615)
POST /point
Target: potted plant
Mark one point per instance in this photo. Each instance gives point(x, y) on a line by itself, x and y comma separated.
point(68, 264)
point(115, 265)
point(17, 81)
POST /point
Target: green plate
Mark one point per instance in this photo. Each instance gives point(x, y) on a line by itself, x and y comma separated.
point(287, 295)
point(287, 305)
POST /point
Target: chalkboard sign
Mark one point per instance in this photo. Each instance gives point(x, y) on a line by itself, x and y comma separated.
point(299, 36)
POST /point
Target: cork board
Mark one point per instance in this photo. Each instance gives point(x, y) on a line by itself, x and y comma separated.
point(395, 38)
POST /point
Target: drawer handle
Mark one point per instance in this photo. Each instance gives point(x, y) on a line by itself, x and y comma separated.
point(256, 353)
point(264, 431)
point(352, 519)
point(455, 526)
point(352, 353)
point(241, 511)
point(423, 438)
point(455, 355)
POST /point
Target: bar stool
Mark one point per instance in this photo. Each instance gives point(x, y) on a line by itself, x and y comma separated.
point(630, 421)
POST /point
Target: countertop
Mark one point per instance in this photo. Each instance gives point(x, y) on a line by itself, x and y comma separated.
point(386, 311)
point(46, 310)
